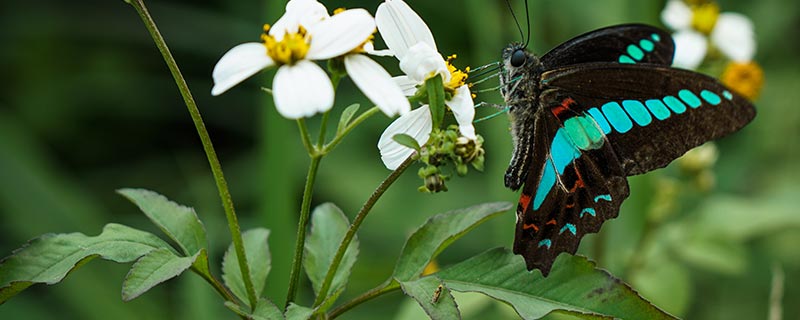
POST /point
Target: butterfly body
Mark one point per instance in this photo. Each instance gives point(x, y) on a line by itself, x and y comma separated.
point(592, 111)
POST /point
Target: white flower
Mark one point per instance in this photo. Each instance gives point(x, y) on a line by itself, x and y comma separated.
point(410, 40)
point(731, 33)
point(304, 33)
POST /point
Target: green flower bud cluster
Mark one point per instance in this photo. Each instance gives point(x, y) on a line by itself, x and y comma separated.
point(448, 146)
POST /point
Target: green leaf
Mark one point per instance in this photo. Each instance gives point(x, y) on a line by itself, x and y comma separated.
point(152, 269)
point(666, 283)
point(423, 290)
point(347, 115)
point(714, 254)
point(49, 258)
point(575, 285)
point(328, 227)
point(439, 232)
point(179, 223)
point(265, 310)
point(258, 259)
point(435, 88)
point(296, 312)
point(406, 140)
point(735, 218)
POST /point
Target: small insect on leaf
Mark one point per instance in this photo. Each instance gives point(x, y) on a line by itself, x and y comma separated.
point(437, 294)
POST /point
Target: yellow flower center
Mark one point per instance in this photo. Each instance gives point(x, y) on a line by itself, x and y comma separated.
point(746, 78)
point(457, 77)
point(704, 16)
point(292, 48)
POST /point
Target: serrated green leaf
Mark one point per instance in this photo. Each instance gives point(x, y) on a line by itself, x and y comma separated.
point(406, 140)
point(424, 290)
point(265, 310)
point(347, 115)
point(178, 222)
point(152, 269)
point(574, 285)
point(328, 227)
point(297, 312)
point(258, 259)
point(49, 258)
point(439, 232)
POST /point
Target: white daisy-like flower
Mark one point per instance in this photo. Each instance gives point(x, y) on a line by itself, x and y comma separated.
point(305, 33)
point(731, 33)
point(411, 41)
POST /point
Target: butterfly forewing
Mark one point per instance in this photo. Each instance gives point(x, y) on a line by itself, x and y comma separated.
point(629, 43)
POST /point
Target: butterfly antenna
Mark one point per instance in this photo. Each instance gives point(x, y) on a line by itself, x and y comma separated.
point(528, 22)
point(521, 34)
point(492, 115)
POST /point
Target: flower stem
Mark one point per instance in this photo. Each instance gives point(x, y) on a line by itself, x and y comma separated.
point(305, 136)
point(305, 212)
point(351, 232)
point(369, 295)
point(353, 124)
point(216, 168)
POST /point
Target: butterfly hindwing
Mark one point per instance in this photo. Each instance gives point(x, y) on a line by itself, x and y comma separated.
point(651, 114)
point(572, 188)
point(628, 43)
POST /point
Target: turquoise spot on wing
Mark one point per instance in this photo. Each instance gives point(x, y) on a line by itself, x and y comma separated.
point(562, 151)
point(618, 119)
point(570, 227)
point(638, 112)
point(655, 37)
point(600, 119)
point(545, 242)
point(606, 197)
point(676, 105)
point(690, 98)
point(647, 45)
point(589, 211)
point(658, 109)
point(545, 184)
point(710, 97)
point(727, 94)
point(592, 131)
point(576, 133)
point(626, 59)
point(635, 52)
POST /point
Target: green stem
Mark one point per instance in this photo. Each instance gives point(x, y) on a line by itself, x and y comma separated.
point(353, 124)
point(305, 212)
point(216, 168)
point(369, 295)
point(351, 232)
point(305, 136)
point(323, 127)
point(222, 290)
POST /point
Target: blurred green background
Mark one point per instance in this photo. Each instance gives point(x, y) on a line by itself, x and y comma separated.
point(88, 106)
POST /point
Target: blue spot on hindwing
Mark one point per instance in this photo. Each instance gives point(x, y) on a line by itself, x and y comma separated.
point(727, 94)
point(637, 112)
point(545, 242)
point(690, 98)
point(545, 184)
point(600, 119)
point(589, 211)
point(618, 119)
point(570, 227)
point(626, 59)
point(606, 197)
point(676, 105)
point(710, 97)
point(658, 109)
point(563, 151)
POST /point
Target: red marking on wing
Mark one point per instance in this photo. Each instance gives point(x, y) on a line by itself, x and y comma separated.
point(564, 106)
point(525, 201)
point(552, 221)
point(529, 226)
point(570, 205)
point(578, 183)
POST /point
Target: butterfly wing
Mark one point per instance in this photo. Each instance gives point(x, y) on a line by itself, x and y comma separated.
point(627, 43)
point(571, 189)
point(650, 114)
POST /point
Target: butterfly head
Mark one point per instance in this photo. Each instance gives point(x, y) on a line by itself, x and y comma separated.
point(517, 76)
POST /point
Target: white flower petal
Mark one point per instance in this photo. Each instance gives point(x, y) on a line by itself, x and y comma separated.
point(408, 86)
point(677, 15)
point(340, 34)
point(401, 27)
point(376, 84)
point(298, 12)
point(239, 63)
point(417, 124)
point(733, 35)
point(422, 62)
point(690, 49)
point(369, 48)
point(302, 90)
point(464, 110)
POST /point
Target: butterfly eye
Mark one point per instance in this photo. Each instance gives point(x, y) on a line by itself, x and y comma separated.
point(518, 58)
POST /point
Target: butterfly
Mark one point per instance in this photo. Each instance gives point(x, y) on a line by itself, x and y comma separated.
point(596, 109)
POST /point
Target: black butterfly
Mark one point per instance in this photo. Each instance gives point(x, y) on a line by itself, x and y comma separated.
point(594, 110)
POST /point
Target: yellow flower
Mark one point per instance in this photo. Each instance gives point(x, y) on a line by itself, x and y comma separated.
point(746, 78)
